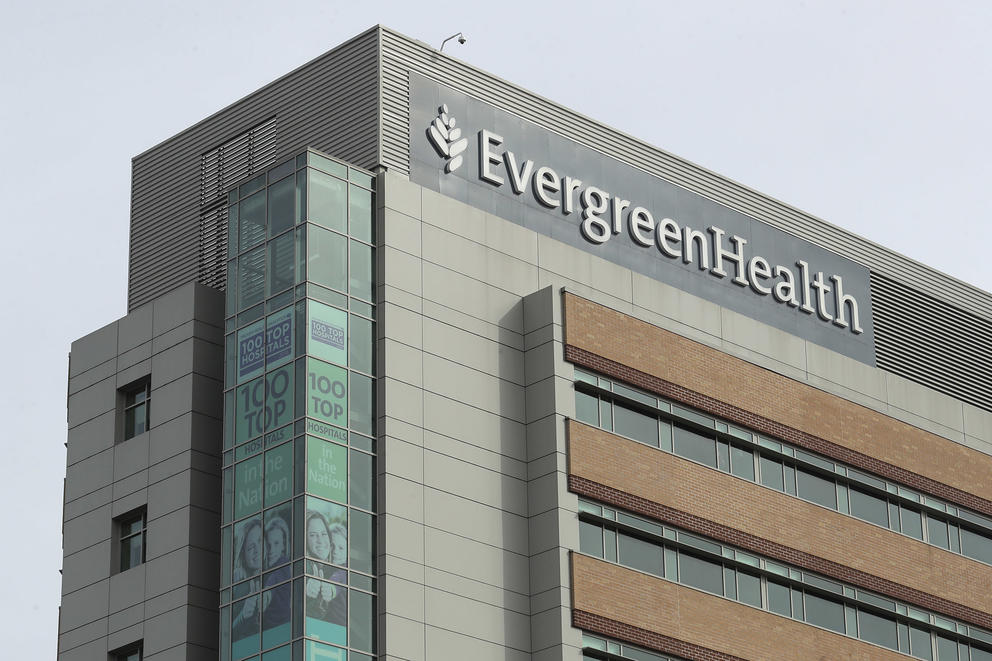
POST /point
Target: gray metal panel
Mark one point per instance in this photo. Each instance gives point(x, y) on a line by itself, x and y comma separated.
point(329, 103)
point(402, 55)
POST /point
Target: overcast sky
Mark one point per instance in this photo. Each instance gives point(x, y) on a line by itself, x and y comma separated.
point(872, 115)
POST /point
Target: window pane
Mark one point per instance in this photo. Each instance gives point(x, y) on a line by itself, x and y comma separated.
point(251, 288)
point(247, 548)
point(591, 539)
point(947, 650)
point(247, 487)
point(328, 201)
point(360, 479)
point(360, 213)
point(771, 473)
point(695, 446)
point(282, 263)
point(131, 549)
point(912, 523)
point(976, 546)
point(276, 609)
point(869, 508)
point(278, 474)
point(824, 613)
point(641, 555)
point(361, 271)
point(635, 424)
point(360, 344)
point(877, 629)
point(748, 589)
point(980, 655)
point(937, 531)
point(326, 611)
point(698, 573)
point(360, 408)
point(327, 258)
point(779, 599)
point(919, 641)
point(360, 554)
point(278, 541)
point(252, 223)
point(816, 489)
point(362, 621)
point(586, 408)
point(281, 206)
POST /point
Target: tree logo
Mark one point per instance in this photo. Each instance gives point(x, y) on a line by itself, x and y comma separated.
point(447, 140)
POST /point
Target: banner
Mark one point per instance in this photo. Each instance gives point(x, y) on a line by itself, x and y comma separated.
point(327, 338)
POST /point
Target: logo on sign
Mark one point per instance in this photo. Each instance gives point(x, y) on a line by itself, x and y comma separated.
point(446, 139)
point(327, 333)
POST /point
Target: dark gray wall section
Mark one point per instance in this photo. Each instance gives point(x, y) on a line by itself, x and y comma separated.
point(567, 158)
point(330, 103)
point(173, 470)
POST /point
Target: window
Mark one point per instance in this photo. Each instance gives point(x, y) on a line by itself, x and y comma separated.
point(131, 533)
point(130, 653)
point(137, 403)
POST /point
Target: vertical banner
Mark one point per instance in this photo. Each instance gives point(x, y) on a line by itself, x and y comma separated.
point(250, 400)
point(327, 393)
point(327, 337)
point(279, 397)
point(251, 350)
point(279, 337)
point(327, 469)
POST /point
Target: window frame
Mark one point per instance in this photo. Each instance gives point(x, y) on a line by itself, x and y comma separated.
point(123, 523)
point(129, 393)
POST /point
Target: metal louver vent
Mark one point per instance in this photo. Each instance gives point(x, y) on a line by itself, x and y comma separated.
point(932, 342)
point(221, 169)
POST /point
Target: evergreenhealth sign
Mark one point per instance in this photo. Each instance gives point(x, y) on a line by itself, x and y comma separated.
point(474, 152)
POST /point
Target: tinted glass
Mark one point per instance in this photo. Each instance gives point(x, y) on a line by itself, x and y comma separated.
point(327, 258)
point(947, 650)
point(586, 408)
point(976, 546)
point(641, 555)
point(328, 201)
point(771, 473)
point(816, 489)
point(282, 263)
point(699, 573)
point(868, 507)
point(361, 621)
point(980, 655)
point(590, 539)
point(912, 523)
point(749, 589)
point(282, 202)
point(635, 424)
point(252, 220)
point(937, 531)
point(695, 446)
point(919, 641)
point(878, 630)
point(779, 599)
point(361, 271)
point(825, 613)
point(742, 463)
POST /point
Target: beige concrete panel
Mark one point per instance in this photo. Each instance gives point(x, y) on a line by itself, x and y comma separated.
point(673, 303)
point(977, 423)
point(978, 444)
point(477, 561)
point(556, 597)
point(403, 459)
point(404, 402)
point(542, 335)
point(402, 325)
point(404, 498)
point(404, 598)
point(570, 652)
point(477, 620)
point(410, 570)
point(512, 239)
point(473, 297)
point(485, 486)
point(405, 539)
point(489, 431)
point(404, 431)
point(475, 351)
point(549, 529)
point(451, 215)
point(401, 232)
point(447, 644)
point(457, 319)
point(472, 387)
point(846, 373)
point(401, 270)
point(478, 261)
point(584, 267)
point(400, 195)
point(557, 281)
point(402, 362)
point(760, 338)
point(479, 591)
point(474, 520)
point(458, 448)
point(542, 493)
point(399, 298)
point(549, 627)
point(923, 402)
point(405, 639)
point(539, 361)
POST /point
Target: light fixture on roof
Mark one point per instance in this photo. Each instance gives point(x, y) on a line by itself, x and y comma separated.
point(461, 40)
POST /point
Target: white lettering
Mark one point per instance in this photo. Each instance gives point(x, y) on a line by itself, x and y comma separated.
point(488, 157)
point(758, 268)
point(641, 221)
point(518, 181)
point(736, 256)
point(546, 181)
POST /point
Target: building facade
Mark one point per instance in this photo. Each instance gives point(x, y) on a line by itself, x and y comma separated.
point(419, 365)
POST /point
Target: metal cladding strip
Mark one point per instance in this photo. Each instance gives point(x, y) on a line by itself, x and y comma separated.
point(400, 55)
point(644, 638)
point(330, 104)
point(739, 416)
point(776, 551)
point(955, 359)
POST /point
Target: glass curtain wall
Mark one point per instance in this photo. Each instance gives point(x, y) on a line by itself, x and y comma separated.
point(297, 536)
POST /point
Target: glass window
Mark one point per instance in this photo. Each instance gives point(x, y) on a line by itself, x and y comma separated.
point(980, 655)
point(869, 507)
point(742, 463)
point(937, 532)
point(591, 538)
point(947, 649)
point(361, 621)
point(282, 264)
point(976, 546)
point(252, 220)
point(912, 523)
point(360, 213)
point(699, 573)
point(641, 555)
point(327, 262)
point(877, 629)
point(360, 344)
point(696, 447)
point(816, 489)
point(328, 201)
point(771, 473)
point(634, 424)
point(137, 403)
point(251, 276)
point(276, 609)
point(361, 271)
point(586, 408)
point(278, 474)
point(748, 588)
point(360, 413)
point(361, 550)
point(131, 533)
point(278, 542)
point(361, 478)
point(779, 599)
point(248, 487)
point(248, 549)
point(282, 203)
point(825, 613)
point(920, 645)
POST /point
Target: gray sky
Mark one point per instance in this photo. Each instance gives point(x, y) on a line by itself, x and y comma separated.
point(871, 115)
